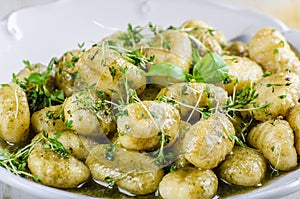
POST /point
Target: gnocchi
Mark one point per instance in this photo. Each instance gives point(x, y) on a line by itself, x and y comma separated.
point(156, 112)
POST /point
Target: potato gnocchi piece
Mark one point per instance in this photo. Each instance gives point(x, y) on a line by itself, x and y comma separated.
point(208, 141)
point(130, 170)
point(281, 91)
point(72, 142)
point(293, 117)
point(237, 48)
point(140, 128)
point(81, 109)
point(211, 38)
point(190, 95)
point(275, 139)
point(269, 48)
point(189, 183)
point(178, 44)
point(244, 167)
point(44, 120)
point(173, 47)
point(55, 170)
point(67, 72)
point(14, 113)
point(242, 71)
point(109, 71)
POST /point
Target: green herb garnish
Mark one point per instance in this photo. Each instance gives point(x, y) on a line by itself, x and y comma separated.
point(210, 69)
point(132, 37)
point(166, 69)
point(36, 87)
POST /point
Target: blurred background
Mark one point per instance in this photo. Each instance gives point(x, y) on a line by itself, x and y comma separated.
point(285, 10)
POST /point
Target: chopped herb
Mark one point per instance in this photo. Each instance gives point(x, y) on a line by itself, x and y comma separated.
point(282, 96)
point(211, 32)
point(80, 46)
point(69, 64)
point(55, 115)
point(236, 139)
point(286, 84)
point(166, 44)
point(27, 63)
point(69, 124)
point(267, 73)
point(110, 181)
point(169, 101)
point(173, 168)
point(274, 173)
point(112, 71)
point(122, 113)
point(110, 149)
point(184, 90)
point(123, 70)
point(272, 148)
point(281, 44)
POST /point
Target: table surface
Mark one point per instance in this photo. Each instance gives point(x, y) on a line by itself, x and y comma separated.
point(285, 10)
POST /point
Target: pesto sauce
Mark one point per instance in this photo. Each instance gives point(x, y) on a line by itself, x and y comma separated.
point(226, 190)
point(91, 188)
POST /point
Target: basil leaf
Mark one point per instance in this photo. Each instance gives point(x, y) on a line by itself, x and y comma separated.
point(166, 69)
point(210, 69)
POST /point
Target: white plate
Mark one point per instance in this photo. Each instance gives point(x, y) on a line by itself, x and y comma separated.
point(39, 33)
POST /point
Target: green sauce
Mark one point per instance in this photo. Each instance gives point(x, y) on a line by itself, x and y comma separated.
point(93, 189)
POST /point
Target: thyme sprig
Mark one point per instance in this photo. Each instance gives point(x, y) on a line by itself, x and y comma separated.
point(16, 162)
point(54, 144)
point(240, 101)
point(132, 37)
point(93, 100)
